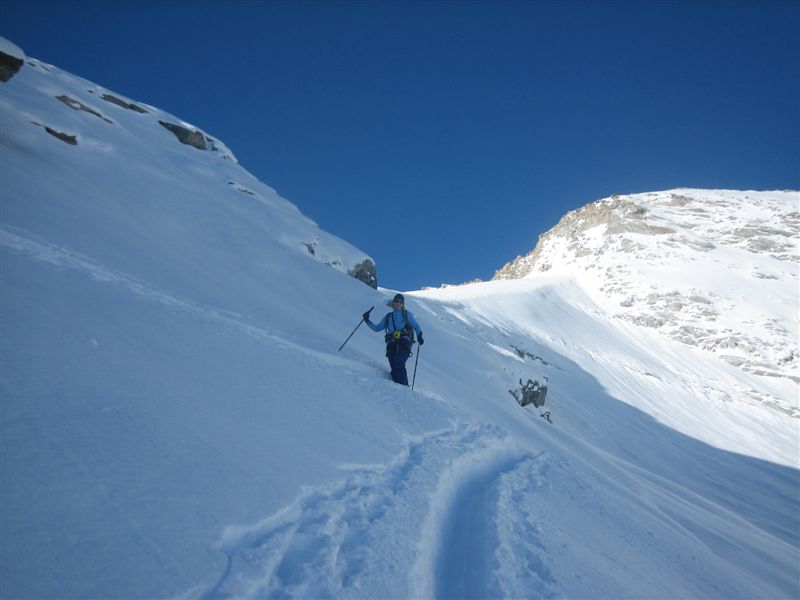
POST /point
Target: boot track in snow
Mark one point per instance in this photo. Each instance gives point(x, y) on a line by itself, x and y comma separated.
point(355, 538)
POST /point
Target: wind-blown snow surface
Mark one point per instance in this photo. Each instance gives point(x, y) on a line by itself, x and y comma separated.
point(176, 420)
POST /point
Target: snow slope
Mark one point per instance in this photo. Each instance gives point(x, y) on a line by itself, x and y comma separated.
point(177, 421)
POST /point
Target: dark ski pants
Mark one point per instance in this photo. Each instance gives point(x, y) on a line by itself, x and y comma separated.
point(398, 351)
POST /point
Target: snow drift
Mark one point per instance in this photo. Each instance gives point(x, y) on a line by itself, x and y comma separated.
point(176, 420)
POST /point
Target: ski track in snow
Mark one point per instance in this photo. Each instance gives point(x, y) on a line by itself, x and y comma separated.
point(31, 245)
point(39, 249)
point(355, 538)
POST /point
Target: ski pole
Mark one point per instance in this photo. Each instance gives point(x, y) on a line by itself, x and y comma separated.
point(354, 330)
point(416, 360)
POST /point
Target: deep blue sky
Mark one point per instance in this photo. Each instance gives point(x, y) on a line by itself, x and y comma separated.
point(443, 137)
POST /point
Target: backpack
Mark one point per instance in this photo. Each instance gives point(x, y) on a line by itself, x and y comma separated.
point(409, 329)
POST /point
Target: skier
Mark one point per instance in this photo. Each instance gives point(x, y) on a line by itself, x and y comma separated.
point(399, 326)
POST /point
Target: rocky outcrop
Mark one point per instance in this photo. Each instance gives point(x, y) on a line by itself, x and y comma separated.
point(9, 66)
point(618, 215)
point(72, 140)
point(366, 272)
point(122, 103)
point(190, 137)
point(77, 105)
point(11, 60)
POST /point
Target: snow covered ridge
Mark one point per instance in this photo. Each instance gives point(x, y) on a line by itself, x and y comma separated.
point(713, 269)
point(108, 140)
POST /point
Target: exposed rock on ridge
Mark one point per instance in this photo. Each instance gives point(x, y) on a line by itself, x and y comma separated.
point(78, 105)
point(11, 59)
point(619, 215)
point(190, 137)
point(365, 272)
point(687, 263)
point(123, 103)
point(9, 66)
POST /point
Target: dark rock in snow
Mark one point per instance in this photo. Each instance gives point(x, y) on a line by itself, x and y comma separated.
point(11, 59)
point(75, 104)
point(64, 137)
point(9, 66)
point(244, 190)
point(122, 103)
point(531, 392)
point(366, 271)
point(190, 137)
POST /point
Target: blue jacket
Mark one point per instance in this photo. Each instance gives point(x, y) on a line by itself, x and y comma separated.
point(393, 321)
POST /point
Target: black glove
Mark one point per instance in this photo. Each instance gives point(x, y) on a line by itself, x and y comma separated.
point(366, 315)
point(419, 337)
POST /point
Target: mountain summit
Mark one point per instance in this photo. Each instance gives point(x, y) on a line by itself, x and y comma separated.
point(712, 269)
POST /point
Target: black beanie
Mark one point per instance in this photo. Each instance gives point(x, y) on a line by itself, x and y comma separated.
point(400, 298)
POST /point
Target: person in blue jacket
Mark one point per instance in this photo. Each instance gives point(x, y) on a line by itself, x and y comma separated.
point(400, 326)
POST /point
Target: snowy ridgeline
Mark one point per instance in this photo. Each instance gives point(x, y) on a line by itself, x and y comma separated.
point(716, 270)
point(177, 421)
point(116, 147)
